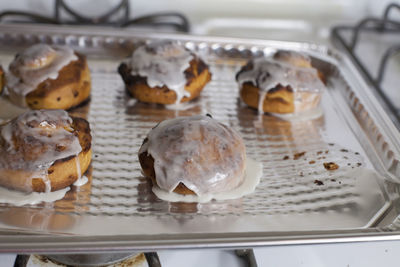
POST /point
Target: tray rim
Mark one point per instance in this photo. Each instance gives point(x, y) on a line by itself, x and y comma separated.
point(21, 242)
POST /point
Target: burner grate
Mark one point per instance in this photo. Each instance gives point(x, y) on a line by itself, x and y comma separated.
point(118, 16)
point(380, 26)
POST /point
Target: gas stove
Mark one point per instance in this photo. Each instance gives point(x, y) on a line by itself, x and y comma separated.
point(382, 36)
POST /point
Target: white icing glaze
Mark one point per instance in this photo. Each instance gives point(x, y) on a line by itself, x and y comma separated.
point(34, 141)
point(81, 181)
point(307, 115)
point(18, 198)
point(182, 106)
point(252, 177)
point(33, 66)
point(267, 73)
point(163, 63)
point(197, 151)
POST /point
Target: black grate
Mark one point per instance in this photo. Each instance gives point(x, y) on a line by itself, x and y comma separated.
point(379, 26)
point(118, 16)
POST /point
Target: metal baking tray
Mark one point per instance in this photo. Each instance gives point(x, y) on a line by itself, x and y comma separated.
point(297, 201)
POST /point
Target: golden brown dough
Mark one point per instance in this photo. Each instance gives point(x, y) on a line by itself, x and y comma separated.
point(281, 99)
point(62, 173)
point(48, 77)
point(197, 75)
point(70, 89)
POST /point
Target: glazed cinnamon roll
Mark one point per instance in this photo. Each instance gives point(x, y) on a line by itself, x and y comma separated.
point(284, 83)
point(43, 151)
point(164, 72)
point(193, 156)
point(48, 77)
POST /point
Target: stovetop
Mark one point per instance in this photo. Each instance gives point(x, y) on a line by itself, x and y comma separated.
point(368, 51)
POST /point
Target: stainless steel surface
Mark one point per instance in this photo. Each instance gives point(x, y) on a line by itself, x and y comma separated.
point(118, 211)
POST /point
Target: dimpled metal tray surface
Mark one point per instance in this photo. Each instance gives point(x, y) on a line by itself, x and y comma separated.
point(297, 201)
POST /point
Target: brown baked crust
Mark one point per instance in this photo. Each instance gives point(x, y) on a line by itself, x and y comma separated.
point(147, 164)
point(197, 76)
point(281, 98)
point(278, 100)
point(71, 88)
point(62, 173)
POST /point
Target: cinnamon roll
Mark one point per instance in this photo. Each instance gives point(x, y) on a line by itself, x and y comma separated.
point(48, 77)
point(43, 151)
point(284, 83)
point(193, 156)
point(164, 72)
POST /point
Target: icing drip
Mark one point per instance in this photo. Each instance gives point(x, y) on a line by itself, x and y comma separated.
point(34, 141)
point(252, 177)
point(284, 70)
point(33, 66)
point(267, 73)
point(163, 63)
point(81, 181)
point(199, 152)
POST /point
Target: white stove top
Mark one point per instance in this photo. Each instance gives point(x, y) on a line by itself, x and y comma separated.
point(368, 254)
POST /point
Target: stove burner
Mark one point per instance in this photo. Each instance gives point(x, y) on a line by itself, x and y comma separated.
point(380, 26)
point(115, 260)
point(174, 20)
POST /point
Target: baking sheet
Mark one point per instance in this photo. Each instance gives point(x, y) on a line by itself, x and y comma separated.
point(297, 198)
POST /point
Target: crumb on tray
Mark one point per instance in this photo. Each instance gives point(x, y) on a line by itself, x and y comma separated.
point(299, 155)
point(331, 166)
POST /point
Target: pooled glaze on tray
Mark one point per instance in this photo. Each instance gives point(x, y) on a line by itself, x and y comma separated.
point(203, 154)
point(33, 141)
point(33, 66)
point(163, 63)
point(252, 177)
point(18, 198)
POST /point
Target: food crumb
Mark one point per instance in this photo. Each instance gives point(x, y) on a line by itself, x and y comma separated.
point(318, 182)
point(319, 152)
point(344, 150)
point(286, 157)
point(331, 166)
point(331, 144)
point(301, 174)
point(326, 151)
point(357, 153)
point(359, 164)
point(333, 180)
point(298, 155)
point(311, 162)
